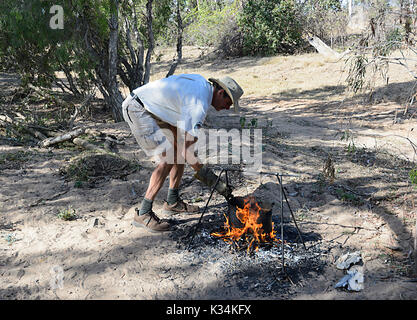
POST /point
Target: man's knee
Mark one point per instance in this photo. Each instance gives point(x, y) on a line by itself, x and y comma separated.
point(163, 166)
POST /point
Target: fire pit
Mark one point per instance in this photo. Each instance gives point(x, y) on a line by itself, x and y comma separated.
point(271, 268)
point(251, 222)
point(248, 225)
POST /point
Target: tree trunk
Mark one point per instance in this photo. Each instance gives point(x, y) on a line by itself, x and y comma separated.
point(130, 66)
point(133, 68)
point(151, 41)
point(115, 99)
point(180, 30)
point(350, 8)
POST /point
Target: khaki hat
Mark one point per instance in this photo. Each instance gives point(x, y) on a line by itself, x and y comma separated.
point(232, 88)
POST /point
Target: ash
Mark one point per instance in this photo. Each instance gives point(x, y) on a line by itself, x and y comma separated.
point(264, 266)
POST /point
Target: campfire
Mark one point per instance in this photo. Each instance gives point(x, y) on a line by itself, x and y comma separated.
point(249, 225)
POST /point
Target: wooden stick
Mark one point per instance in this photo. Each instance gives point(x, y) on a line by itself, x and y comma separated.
point(65, 137)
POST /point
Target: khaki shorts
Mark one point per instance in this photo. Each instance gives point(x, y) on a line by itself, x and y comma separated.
point(152, 134)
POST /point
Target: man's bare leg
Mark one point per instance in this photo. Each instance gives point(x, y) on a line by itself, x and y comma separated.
point(174, 204)
point(145, 218)
point(177, 170)
point(175, 176)
point(155, 184)
point(157, 179)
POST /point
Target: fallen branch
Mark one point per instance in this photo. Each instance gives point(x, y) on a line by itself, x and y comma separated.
point(46, 131)
point(108, 139)
point(86, 101)
point(323, 48)
point(65, 137)
point(113, 140)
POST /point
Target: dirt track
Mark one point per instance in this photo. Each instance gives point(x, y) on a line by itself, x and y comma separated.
point(370, 206)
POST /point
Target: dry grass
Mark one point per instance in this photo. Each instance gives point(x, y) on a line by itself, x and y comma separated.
point(271, 76)
point(264, 77)
point(260, 76)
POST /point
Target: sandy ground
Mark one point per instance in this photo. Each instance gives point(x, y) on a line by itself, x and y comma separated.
point(369, 205)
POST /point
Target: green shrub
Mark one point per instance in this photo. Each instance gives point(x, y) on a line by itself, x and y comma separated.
point(207, 27)
point(67, 214)
point(413, 176)
point(270, 27)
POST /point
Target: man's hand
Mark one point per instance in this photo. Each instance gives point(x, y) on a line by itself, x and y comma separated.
point(209, 178)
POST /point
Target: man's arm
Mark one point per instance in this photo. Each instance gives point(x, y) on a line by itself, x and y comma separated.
point(203, 173)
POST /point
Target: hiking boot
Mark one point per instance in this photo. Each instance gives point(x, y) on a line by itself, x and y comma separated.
point(179, 207)
point(150, 222)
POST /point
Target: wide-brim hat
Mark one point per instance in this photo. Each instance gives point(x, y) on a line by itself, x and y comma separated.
point(232, 88)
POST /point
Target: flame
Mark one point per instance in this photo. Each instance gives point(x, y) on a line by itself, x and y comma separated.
point(251, 232)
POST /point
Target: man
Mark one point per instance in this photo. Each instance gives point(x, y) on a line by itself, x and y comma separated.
point(164, 117)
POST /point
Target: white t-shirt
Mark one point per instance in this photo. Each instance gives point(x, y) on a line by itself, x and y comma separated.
point(180, 100)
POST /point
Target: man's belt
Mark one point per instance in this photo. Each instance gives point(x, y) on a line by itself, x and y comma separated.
point(164, 124)
point(137, 99)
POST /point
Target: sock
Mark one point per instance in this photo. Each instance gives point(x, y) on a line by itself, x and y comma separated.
point(146, 206)
point(173, 196)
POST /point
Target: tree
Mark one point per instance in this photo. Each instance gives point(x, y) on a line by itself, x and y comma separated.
point(325, 19)
point(372, 54)
point(102, 42)
point(385, 43)
point(180, 30)
point(35, 49)
point(114, 98)
point(270, 27)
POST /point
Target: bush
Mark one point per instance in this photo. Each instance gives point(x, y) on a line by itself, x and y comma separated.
point(67, 214)
point(231, 42)
point(206, 27)
point(270, 27)
point(325, 19)
point(413, 176)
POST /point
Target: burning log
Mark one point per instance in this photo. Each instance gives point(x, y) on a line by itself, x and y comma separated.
point(249, 223)
point(250, 206)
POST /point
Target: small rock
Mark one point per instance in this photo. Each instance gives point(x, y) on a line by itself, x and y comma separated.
point(21, 273)
point(348, 259)
point(94, 222)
